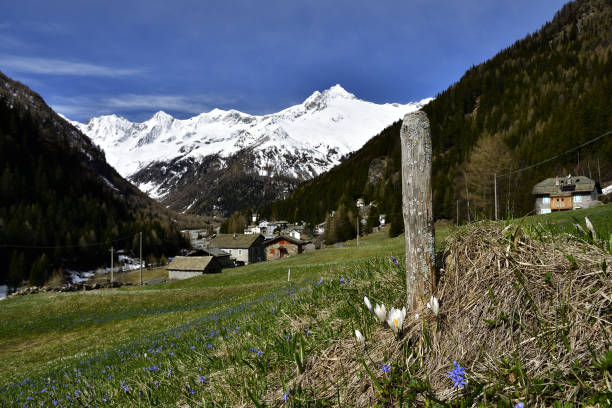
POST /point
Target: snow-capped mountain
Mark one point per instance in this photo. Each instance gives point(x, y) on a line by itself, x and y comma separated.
point(164, 155)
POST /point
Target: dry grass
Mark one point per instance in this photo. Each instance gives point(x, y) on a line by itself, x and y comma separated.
point(515, 310)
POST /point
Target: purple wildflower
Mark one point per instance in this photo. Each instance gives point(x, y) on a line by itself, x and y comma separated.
point(201, 379)
point(125, 387)
point(169, 372)
point(386, 368)
point(395, 261)
point(520, 405)
point(256, 351)
point(286, 395)
point(457, 375)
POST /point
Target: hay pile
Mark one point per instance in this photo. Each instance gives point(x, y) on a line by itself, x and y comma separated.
point(513, 310)
point(544, 302)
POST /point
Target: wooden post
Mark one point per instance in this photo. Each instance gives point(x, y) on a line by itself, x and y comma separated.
point(417, 206)
point(112, 264)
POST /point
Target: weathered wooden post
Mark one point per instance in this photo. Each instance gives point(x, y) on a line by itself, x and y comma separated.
point(417, 207)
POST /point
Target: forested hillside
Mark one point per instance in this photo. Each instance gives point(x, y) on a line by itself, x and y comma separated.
point(544, 95)
point(59, 199)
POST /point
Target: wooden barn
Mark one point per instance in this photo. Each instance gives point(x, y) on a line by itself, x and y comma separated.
point(184, 267)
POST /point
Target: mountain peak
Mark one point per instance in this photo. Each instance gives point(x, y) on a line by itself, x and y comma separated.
point(162, 116)
point(337, 91)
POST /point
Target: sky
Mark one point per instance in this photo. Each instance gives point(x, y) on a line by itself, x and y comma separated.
point(136, 57)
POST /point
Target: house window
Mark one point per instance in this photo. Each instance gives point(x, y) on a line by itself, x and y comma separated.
point(545, 200)
point(240, 252)
point(272, 250)
point(578, 198)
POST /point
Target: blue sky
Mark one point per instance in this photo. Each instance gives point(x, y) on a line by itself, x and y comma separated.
point(135, 57)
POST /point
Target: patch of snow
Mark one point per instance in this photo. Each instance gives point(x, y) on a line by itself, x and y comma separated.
point(3, 291)
point(607, 190)
point(108, 183)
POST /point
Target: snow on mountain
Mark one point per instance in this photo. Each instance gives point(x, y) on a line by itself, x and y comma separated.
point(300, 142)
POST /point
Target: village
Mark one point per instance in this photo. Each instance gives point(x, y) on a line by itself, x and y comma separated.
point(268, 240)
point(261, 241)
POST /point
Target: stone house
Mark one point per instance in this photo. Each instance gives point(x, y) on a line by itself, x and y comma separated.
point(565, 193)
point(184, 267)
point(283, 246)
point(243, 249)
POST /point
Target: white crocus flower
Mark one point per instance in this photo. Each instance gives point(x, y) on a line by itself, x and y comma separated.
point(381, 312)
point(360, 337)
point(434, 305)
point(367, 303)
point(396, 319)
point(589, 225)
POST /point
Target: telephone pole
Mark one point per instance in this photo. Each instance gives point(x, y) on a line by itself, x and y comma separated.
point(112, 264)
point(140, 233)
point(495, 190)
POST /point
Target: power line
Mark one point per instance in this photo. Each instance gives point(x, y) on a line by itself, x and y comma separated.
point(104, 243)
point(556, 156)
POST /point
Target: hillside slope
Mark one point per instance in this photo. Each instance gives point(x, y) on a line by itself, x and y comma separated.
point(59, 198)
point(547, 93)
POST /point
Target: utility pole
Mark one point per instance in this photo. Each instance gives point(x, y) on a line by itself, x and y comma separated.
point(467, 197)
point(112, 264)
point(495, 191)
point(598, 169)
point(140, 233)
point(457, 212)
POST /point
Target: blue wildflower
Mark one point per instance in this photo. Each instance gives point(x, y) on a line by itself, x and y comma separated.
point(286, 395)
point(307, 332)
point(386, 368)
point(169, 372)
point(125, 387)
point(457, 375)
point(156, 383)
point(341, 281)
point(201, 379)
point(153, 368)
point(256, 351)
point(395, 261)
point(54, 402)
point(520, 405)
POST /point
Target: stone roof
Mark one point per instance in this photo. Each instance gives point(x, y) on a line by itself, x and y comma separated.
point(215, 252)
point(286, 238)
point(231, 241)
point(189, 263)
point(565, 186)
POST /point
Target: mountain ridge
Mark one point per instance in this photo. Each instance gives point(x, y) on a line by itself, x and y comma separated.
point(297, 143)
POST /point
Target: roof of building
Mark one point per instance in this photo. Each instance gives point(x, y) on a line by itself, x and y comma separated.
point(286, 238)
point(215, 252)
point(231, 241)
point(190, 263)
point(565, 186)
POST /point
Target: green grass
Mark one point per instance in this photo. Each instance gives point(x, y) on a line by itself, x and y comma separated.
point(75, 341)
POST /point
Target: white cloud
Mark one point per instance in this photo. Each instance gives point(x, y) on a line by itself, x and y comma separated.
point(84, 107)
point(50, 66)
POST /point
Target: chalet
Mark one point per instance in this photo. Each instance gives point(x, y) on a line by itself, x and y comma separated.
point(565, 193)
point(184, 267)
point(243, 249)
point(283, 246)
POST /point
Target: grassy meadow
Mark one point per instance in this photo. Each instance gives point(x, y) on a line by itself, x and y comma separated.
point(246, 337)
